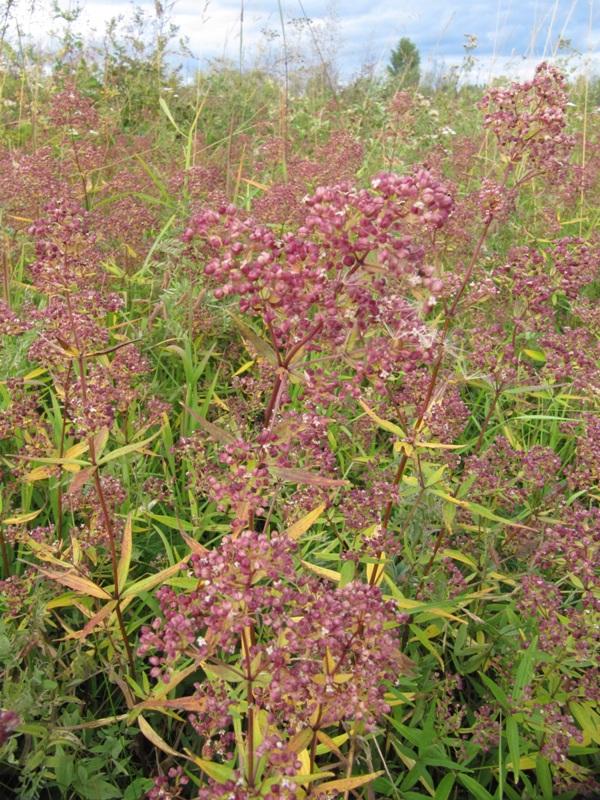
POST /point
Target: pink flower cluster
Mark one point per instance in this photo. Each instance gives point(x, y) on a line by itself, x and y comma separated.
point(529, 120)
point(319, 649)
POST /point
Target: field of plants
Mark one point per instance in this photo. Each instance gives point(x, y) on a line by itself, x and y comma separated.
point(300, 443)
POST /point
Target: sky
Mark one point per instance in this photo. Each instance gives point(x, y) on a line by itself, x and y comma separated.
point(512, 35)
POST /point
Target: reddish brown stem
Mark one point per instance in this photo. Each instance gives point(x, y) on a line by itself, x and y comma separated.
point(247, 636)
point(107, 520)
point(4, 556)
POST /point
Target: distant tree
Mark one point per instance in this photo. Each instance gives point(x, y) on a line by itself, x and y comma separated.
point(405, 63)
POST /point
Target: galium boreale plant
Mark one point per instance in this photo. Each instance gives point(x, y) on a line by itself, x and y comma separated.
point(294, 655)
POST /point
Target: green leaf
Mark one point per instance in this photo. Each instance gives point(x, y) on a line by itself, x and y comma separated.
point(145, 584)
point(138, 789)
point(129, 448)
point(220, 435)
point(544, 777)
point(436, 476)
point(346, 573)
point(298, 475)
point(588, 719)
point(167, 111)
point(498, 693)
point(218, 772)
point(263, 348)
point(512, 737)
point(482, 511)
point(525, 670)
point(444, 787)
point(164, 230)
point(64, 768)
point(170, 522)
point(94, 788)
point(476, 789)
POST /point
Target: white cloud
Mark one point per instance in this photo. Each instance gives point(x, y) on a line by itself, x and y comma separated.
point(366, 29)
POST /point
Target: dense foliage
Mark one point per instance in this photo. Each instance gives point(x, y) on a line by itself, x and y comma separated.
point(299, 437)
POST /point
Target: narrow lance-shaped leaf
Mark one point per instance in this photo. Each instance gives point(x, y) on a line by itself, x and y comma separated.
point(125, 560)
point(21, 519)
point(156, 740)
point(92, 623)
point(263, 348)
point(77, 582)
point(218, 772)
point(383, 423)
point(345, 784)
point(220, 435)
point(145, 584)
point(299, 527)
point(297, 475)
point(129, 448)
point(512, 737)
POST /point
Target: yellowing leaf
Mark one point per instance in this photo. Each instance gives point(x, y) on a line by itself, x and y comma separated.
point(21, 519)
point(502, 578)
point(328, 661)
point(330, 745)
point(77, 582)
point(99, 441)
point(218, 402)
point(536, 355)
point(376, 571)
point(407, 448)
point(300, 740)
point(77, 450)
point(80, 479)
point(457, 555)
point(92, 623)
point(345, 784)
point(35, 373)
point(219, 772)
point(304, 759)
point(222, 436)
point(191, 704)
point(38, 474)
point(244, 368)
point(145, 584)
point(323, 572)
point(156, 740)
point(68, 349)
point(439, 446)
point(125, 560)
point(296, 530)
point(383, 423)
point(342, 677)
point(194, 546)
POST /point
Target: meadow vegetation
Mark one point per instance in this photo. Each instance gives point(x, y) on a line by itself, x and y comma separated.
point(300, 445)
